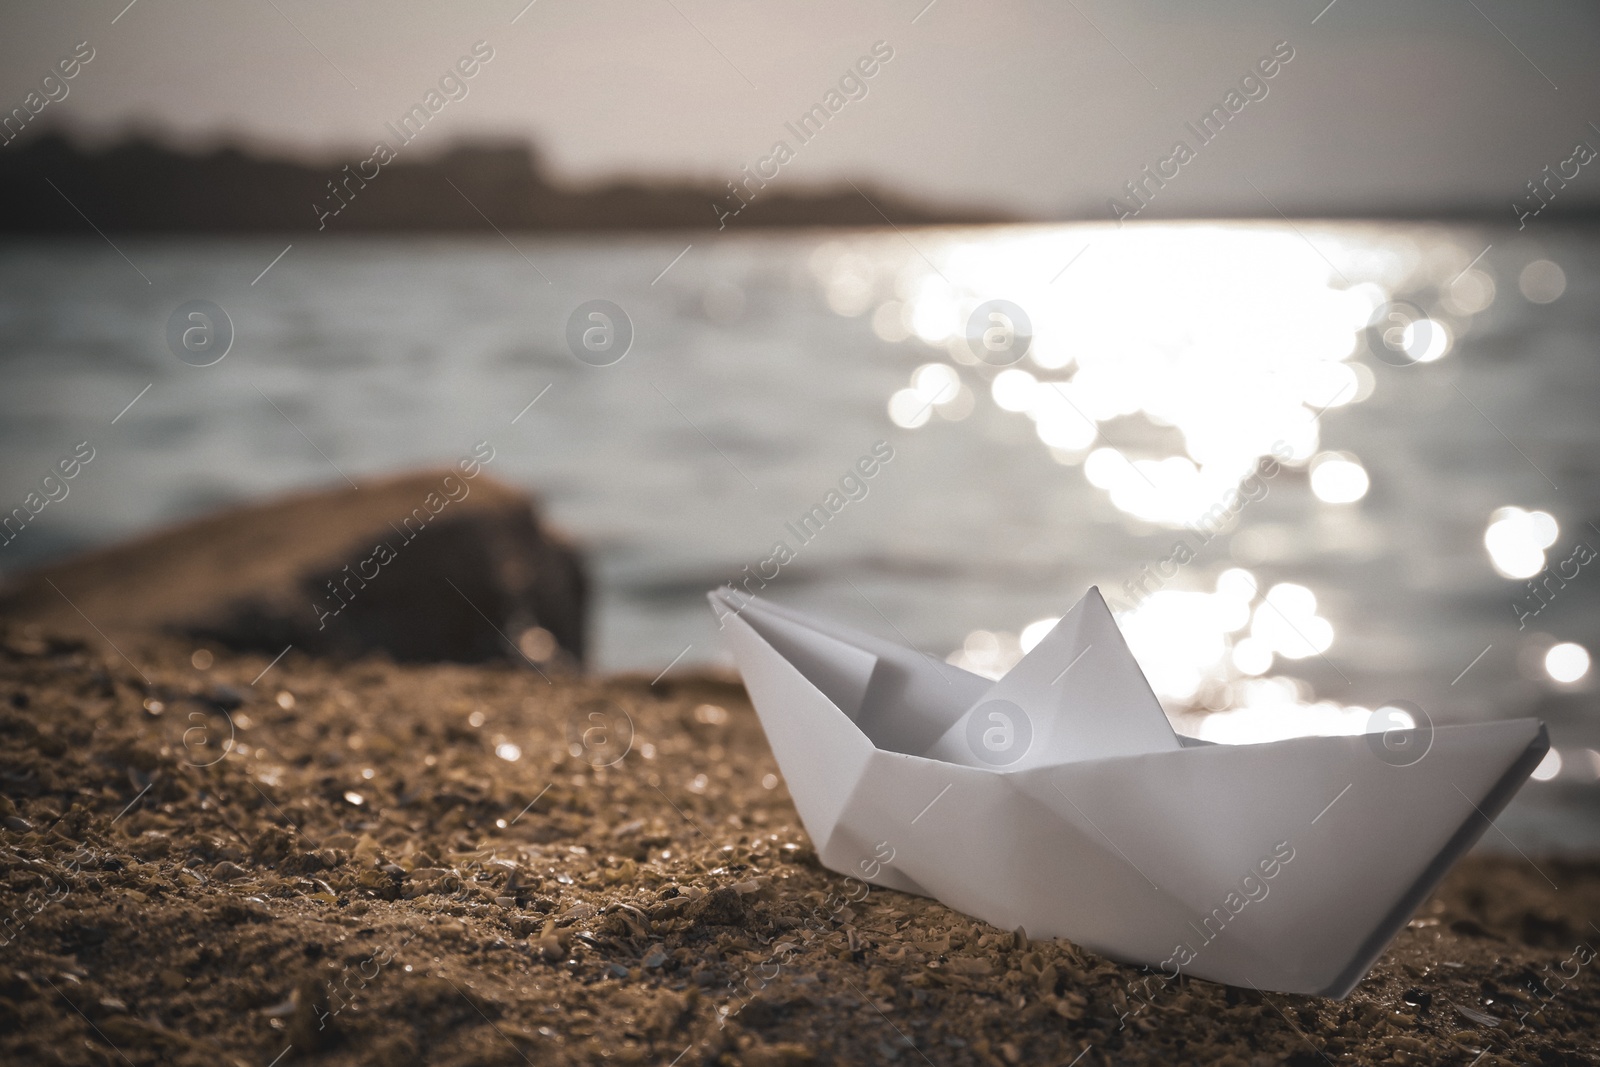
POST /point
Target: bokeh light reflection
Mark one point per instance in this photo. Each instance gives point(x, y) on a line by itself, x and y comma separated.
point(1167, 361)
point(1516, 540)
point(1567, 662)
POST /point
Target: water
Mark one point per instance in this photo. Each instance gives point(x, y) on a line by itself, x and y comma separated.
point(1164, 361)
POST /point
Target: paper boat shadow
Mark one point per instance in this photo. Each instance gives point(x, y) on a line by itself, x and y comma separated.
point(1060, 800)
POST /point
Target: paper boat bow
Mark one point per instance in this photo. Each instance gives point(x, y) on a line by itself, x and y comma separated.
point(1060, 800)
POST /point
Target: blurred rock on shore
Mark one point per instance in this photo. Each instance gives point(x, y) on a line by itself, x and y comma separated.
point(423, 566)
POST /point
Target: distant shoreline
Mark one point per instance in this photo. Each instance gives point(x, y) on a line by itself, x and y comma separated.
point(53, 186)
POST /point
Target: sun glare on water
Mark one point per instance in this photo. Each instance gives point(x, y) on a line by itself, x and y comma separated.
point(1225, 345)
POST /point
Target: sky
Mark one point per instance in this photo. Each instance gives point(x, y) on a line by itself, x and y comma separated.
point(1038, 109)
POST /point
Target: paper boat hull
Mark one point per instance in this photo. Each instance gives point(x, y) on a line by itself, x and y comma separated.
point(1286, 866)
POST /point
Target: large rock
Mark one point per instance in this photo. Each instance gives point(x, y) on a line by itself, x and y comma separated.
point(424, 566)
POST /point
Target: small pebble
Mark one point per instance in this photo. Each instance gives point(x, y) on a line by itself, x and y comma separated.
point(548, 943)
point(1478, 1017)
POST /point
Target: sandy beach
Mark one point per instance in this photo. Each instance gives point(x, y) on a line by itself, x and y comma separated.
point(362, 862)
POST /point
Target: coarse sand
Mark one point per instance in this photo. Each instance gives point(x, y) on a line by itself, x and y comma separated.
point(341, 863)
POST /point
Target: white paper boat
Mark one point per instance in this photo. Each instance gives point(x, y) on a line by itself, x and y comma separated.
point(1060, 800)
